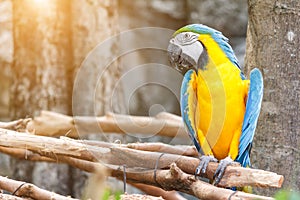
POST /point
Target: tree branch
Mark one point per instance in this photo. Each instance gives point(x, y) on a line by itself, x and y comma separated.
point(55, 124)
point(184, 150)
point(29, 190)
point(25, 154)
point(139, 197)
point(175, 179)
point(17, 125)
point(10, 197)
point(165, 148)
point(158, 192)
point(52, 147)
point(139, 158)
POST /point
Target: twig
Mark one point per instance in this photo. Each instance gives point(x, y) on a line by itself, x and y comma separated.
point(55, 124)
point(52, 147)
point(28, 190)
point(17, 125)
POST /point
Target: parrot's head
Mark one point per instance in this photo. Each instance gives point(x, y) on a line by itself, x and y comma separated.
point(187, 48)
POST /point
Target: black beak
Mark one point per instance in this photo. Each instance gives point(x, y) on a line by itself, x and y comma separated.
point(174, 52)
point(179, 60)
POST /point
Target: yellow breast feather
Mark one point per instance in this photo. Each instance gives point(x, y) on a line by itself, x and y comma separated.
point(221, 103)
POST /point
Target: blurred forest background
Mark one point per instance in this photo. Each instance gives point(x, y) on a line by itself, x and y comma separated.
point(44, 43)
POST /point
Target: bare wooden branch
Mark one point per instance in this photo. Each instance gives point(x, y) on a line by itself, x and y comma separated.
point(84, 165)
point(139, 197)
point(24, 154)
point(175, 179)
point(184, 150)
point(29, 190)
point(47, 145)
point(17, 125)
point(158, 192)
point(165, 148)
point(52, 147)
point(91, 167)
point(138, 158)
point(183, 182)
point(234, 176)
point(10, 197)
point(55, 124)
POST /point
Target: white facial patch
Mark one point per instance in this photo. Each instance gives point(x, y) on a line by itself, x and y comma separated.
point(189, 44)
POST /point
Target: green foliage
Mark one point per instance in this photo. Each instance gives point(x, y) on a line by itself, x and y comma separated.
point(287, 195)
point(108, 195)
point(117, 195)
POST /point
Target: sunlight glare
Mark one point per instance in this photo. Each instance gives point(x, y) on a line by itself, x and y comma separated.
point(38, 1)
point(41, 3)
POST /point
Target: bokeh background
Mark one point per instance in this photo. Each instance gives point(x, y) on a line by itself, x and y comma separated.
point(46, 44)
point(88, 23)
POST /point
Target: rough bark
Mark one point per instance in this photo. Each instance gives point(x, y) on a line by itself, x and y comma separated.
point(97, 72)
point(10, 197)
point(175, 179)
point(115, 155)
point(6, 56)
point(16, 125)
point(55, 124)
point(273, 46)
point(28, 190)
point(41, 71)
point(94, 51)
point(42, 57)
point(51, 39)
point(158, 192)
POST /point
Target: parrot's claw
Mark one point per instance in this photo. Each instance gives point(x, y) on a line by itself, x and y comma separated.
point(221, 169)
point(204, 160)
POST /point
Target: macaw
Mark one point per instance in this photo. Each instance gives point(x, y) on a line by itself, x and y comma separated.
point(219, 107)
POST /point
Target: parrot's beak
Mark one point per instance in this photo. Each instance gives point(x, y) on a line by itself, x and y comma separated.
point(184, 57)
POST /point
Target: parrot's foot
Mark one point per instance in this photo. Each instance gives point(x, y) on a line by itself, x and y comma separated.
point(221, 169)
point(204, 160)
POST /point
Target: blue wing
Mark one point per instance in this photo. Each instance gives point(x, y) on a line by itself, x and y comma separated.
point(251, 116)
point(188, 104)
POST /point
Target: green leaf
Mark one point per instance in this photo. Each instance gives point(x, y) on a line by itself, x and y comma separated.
point(287, 195)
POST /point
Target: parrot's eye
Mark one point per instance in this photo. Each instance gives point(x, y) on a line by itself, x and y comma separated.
point(186, 38)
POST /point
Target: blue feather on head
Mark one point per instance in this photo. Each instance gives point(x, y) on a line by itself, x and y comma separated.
point(216, 35)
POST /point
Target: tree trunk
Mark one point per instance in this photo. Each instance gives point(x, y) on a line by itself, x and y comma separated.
point(6, 58)
point(94, 22)
point(52, 39)
point(95, 80)
point(42, 71)
point(42, 58)
point(273, 46)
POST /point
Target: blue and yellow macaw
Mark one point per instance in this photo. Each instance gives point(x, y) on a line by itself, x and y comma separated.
point(219, 106)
